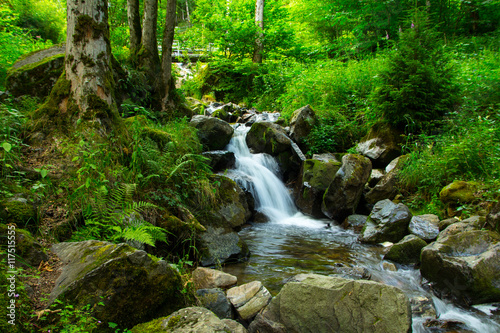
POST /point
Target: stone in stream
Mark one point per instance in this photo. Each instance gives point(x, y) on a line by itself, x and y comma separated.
point(220, 160)
point(249, 299)
point(355, 222)
point(133, 286)
point(219, 245)
point(213, 133)
point(216, 301)
point(465, 266)
point(190, 320)
point(344, 192)
point(406, 251)
point(425, 226)
point(388, 222)
point(317, 303)
point(206, 278)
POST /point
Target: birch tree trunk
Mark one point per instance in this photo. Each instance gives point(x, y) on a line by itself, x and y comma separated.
point(168, 39)
point(134, 23)
point(259, 21)
point(88, 60)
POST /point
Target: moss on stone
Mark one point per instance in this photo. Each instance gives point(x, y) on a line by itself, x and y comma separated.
point(154, 326)
point(16, 211)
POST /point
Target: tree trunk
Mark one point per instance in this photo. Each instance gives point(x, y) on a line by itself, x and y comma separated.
point(187, 11)
point(259, 21)
point(134, 23)
point(168, 39)
point(88, 60)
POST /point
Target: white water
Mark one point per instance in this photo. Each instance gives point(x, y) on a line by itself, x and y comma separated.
point(270, 243)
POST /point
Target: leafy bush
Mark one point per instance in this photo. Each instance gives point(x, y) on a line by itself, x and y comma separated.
point(418, 85)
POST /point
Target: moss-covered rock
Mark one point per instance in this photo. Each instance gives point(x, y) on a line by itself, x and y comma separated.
point(465, 266)
point(29, 252)
point(133, 286)
point(269, 138)
point(407, 250)
point(213, 133)
point(301, 124)
point(343, 194)
point(459, 192)
point(19, 211)
point(36, 74)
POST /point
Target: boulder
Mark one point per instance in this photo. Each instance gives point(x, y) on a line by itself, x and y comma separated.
point(234, 326)
point(220, 160)
point(344, 192)
point(213, 133)
point(301, 124)
point(388, 222)
point(443, 224)
point(19, 211)
point(465, 265)
point(216, 301)
point(386, 187)
point(263, 324)
point(189, 320)
point(406, 251)
point(316, 303)
point(218, 246)
point(375, 176)
point(458, 192)
point(425, 226)
point(28, 251)
point(470, 224)
point(355, 222)
point(248, 299)
point(132, 286)
point(36, 74)
point(381, 145)
point(316, 177)
point(206, 278)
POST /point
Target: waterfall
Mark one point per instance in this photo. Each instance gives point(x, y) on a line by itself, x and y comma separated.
point(259, 175)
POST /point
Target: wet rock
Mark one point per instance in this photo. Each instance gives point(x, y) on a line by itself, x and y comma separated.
point(386, 187)
point(249, 299)
point(36, 74)
point(220, 160)
point(458, 192)
point(301, 124)
point(218, 246)
point(423, 307)
point(206, 278)
point(381, 145)
point(187, 320)
point(472, 223)
point(317, 175)
point(355, 222)
point(465, 265)
point(441, 325)
point(133, 286)
point(406, 251)
point(343, 194)
point(213, 133)
point(387, 266)
point(388, 222)
point(425, 226)
point(316, 303)
point(216, 301)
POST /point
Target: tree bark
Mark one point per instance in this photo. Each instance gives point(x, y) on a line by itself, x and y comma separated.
point(259, 21)
point(88, 60)
point(168, 39)
point(134, 23)
point(149, 58)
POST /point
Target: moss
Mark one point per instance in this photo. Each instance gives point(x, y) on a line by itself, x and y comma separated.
point(18, 211)
point(154, 326)
point(173, 321)
point(85, 25)
point(161, 138)
point(320, 174)
point(459, 192)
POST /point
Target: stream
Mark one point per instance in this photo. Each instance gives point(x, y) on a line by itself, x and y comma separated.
point(292, 243)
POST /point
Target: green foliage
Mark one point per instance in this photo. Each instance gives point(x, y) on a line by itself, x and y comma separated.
point(11, 124)
point(65, 318)
point(418, 85)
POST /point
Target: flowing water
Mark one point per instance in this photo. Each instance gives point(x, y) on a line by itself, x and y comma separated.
point(292, 243)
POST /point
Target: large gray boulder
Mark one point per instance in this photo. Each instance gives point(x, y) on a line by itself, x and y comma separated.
point(465, 265)
point(317, 303)
point(470, 224)
point(213, 133)
point(218, 246)
point(301, 124)
point(388, 222)
point(344, 192)
point(317, 175)
point(133, 286)
point(190, 320)
point(381, 145)
point(425, 226)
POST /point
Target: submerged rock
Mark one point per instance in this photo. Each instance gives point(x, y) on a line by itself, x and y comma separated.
point(388, 222)
point(344, 192)
point(213, 133)
point(317, 303)
point(465, 265)
point(133, 286)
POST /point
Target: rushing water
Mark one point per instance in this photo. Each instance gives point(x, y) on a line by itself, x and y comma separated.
point(292, 243)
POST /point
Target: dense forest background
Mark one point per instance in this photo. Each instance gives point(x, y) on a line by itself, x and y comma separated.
point(429, 69)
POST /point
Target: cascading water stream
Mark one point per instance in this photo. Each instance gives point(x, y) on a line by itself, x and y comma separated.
point(293, 243)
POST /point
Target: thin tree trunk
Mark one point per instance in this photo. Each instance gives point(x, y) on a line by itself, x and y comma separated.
point(88, 59)
point(259, 21)
point(149, 57)
point(168, 39)
point(187, 11)
point(134, 23)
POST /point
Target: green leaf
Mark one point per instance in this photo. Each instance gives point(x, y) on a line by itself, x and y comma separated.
point(44, 173)
point(7, 146)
